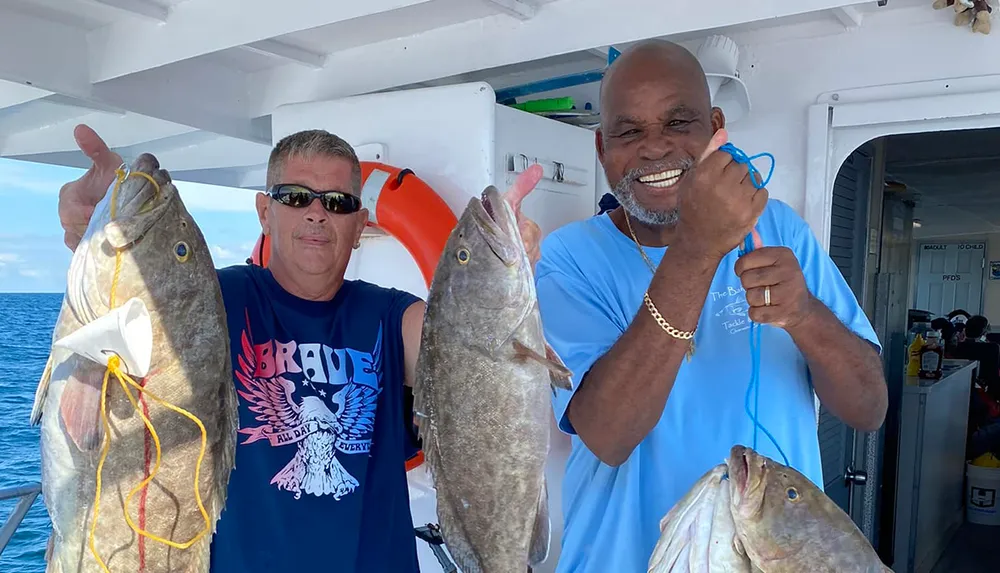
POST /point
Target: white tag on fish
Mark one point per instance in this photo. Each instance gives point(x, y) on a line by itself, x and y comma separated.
point(125, 331)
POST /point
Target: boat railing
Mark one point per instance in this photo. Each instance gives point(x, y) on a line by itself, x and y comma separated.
point(27, 495)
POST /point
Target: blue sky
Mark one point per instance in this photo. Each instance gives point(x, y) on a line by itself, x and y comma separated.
point(33, 257)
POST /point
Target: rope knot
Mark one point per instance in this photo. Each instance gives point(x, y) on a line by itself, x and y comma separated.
point(114, 363)
point(740, 157)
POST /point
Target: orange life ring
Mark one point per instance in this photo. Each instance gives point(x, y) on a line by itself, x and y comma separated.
point(405, 207)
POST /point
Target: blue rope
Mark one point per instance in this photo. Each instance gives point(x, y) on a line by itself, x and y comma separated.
point(753, 389)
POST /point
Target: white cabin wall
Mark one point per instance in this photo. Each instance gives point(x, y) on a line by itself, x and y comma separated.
point(552, 204)
point(784, 77)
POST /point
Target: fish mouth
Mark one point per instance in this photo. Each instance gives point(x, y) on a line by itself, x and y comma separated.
point(747, 491)
point(487, 203)
point(499, 214)
point(739, 470)
point(136, 193)
point(496, 221)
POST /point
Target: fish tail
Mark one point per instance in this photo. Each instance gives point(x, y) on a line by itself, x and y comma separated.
point(455, 538)
point(542, 531)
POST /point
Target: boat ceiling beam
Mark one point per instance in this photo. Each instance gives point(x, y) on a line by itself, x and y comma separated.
point(199, 27)
point(519, 9)
point(118, 130)
point(559, 28)
point(137, 9)
point(288, 52)
point(12, 94)
point(849, 16)
point(195, 94)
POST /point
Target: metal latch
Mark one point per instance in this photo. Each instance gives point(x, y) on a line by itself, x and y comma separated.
point(852, 476)
point(431, 534)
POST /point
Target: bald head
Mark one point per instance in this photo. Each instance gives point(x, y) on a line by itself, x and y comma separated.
point(656, 119)
point(654, 58)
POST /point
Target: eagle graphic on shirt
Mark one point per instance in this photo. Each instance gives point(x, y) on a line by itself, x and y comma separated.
point(334, 413)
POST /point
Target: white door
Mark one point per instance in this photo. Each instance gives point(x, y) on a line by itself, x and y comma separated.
point(950, 276)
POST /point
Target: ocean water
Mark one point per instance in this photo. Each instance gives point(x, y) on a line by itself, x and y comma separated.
point(26, 323)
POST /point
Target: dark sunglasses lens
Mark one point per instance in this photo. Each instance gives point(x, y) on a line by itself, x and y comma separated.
point(333, 201)
point(293, 197)
point(341, 203)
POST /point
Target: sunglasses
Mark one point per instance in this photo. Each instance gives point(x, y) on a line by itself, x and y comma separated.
point(300, 196)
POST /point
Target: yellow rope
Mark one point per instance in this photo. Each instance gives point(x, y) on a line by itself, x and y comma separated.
point(115, 367)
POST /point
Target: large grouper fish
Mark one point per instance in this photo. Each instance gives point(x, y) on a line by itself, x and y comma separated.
point(786, 524)
point(482, 394)
point(142, 305)
point(753, 514)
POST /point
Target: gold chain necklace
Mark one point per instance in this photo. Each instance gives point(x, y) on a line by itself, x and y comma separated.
point(666, 326)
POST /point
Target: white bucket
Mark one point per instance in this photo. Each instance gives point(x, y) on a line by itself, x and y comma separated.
point(981, 494)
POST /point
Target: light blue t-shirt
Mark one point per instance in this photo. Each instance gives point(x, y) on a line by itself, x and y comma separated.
point(591, 279)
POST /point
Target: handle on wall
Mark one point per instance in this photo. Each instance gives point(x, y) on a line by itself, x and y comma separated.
point(557, 171)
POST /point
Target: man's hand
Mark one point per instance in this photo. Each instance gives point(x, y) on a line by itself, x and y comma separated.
point(773, 275)
point(720, 205)
point(77, 199)
point(531, 234)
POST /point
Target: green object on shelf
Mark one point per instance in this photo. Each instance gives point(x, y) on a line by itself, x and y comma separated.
point(547, 104)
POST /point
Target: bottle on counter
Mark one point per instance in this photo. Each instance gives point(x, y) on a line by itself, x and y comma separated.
point(931, 356)
point(913, 366)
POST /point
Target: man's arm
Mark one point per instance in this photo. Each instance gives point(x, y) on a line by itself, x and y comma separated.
point(810, 299)
point(622, 396)
point(846, 370)
point(413, 325)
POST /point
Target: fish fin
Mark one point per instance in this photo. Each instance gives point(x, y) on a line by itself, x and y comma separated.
point(542, 531)
point(41, 392)
point(49, 547)
point(126, 331)
point(203, 559)
point(738, 546)
point(80, 406)
point(559, 375)
point(455, 539)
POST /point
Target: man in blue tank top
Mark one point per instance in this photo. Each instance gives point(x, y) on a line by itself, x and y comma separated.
point(622, 293)
point(320, 365)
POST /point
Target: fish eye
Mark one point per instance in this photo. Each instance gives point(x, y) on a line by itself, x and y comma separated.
point(181, 251)
point(793, 494)
point(463, 255)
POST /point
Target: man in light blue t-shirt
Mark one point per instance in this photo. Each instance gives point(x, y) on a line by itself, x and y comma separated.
point(645, 422)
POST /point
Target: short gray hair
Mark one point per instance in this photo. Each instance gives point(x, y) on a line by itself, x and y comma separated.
point(312, 143)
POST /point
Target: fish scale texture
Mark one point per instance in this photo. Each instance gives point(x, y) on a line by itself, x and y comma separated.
point(753, 514)
point(190, 369)
point(484, 407)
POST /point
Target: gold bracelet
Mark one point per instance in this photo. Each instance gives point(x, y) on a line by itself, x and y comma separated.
point(679, 334)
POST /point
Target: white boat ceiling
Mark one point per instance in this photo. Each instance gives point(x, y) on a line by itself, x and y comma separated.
point(195, 81)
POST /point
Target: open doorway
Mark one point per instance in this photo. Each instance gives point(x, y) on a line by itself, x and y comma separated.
point(915, 229)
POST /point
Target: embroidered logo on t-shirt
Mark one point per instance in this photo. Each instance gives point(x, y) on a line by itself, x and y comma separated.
point(319, 398)
point(732, 314)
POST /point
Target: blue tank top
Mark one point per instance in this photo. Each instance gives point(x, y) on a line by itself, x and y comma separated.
point(320, 481)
